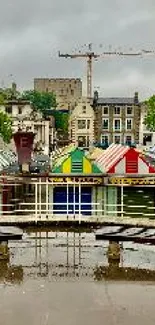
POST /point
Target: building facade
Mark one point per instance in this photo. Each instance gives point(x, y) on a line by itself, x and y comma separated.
point(117, 120)
point(24, 118)
point(68, 90)
point(81, 126)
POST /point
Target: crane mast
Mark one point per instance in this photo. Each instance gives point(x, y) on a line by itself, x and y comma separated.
point(89, 76)
point(89, 55)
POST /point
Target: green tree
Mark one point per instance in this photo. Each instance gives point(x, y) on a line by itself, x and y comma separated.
point(2, 100)
point(5, 127)
point(41, 101)
point(8, 94)
point(150, 116)
point(61, 120)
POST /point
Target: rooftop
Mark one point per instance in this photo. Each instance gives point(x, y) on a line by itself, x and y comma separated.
point(116, 100)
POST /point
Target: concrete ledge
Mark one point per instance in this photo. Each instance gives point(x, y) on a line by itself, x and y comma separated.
point(72, 220)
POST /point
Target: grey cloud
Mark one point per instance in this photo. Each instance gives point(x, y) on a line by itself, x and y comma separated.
point(33, 31)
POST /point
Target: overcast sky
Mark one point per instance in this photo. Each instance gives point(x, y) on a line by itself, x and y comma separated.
point(32, 32)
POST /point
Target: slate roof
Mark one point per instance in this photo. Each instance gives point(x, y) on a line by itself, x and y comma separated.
point(116, 101)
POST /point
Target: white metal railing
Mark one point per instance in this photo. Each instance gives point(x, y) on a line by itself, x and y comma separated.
point(39, 205)
point(41, 210)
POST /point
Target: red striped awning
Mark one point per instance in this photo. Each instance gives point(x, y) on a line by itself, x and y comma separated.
point(110, 156)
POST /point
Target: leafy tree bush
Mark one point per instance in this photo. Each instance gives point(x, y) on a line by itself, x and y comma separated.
point(5, 127)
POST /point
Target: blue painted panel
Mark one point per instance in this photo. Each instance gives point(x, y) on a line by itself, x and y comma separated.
point(73, 199)
point(60, 196)
point(86, 198)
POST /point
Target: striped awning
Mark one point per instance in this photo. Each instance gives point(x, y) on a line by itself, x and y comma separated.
point(111, 156)
point(61, 156)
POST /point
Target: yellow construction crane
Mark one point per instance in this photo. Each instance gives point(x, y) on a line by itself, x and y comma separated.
point(90, 55)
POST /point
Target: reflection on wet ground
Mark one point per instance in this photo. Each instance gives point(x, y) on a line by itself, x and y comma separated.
point(74, 255)
point(55, 277)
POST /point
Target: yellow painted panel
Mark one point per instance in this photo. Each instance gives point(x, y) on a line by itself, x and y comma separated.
point(66, 167)
point(87, 167)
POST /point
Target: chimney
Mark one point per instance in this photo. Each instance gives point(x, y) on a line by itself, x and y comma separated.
point(14, 90)
point(95, 99)
point(136, 100)
point(24, 148)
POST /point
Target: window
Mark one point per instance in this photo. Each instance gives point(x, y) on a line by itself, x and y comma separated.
point(105, 124)
point(117, 139)
point(88, 124)
point(19, 110)
point(128, 139)
point(105, 110)
point(117, 125)
point(81, 124)
point(129, 124)
point(105, 139)
point(129, 110)
point(83, 109)
point(8, 109)
point(117, 110)
point(72, 92)
point(87, 141)
point(84, 124)
point(83, 141)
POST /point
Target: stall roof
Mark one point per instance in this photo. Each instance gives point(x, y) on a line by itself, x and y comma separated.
point(94, 153)
point(110, 156)
point(7, 158)
point(75, 161)
point(119, 159)
point(63, 155)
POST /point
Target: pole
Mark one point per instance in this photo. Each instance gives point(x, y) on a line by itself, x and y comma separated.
point(47, 198)
point(36, 250)
point(67, 200)
point(40, 197)
point(79, 202)
point(47, 262)
point(122, 200)
point(74, 205)
point(36, 201)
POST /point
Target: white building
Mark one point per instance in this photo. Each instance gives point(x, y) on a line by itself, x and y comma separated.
point(25, 118)
point(146, 137)
point(81, 127)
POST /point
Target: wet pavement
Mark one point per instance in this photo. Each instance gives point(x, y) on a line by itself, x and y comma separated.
point(58, 277)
